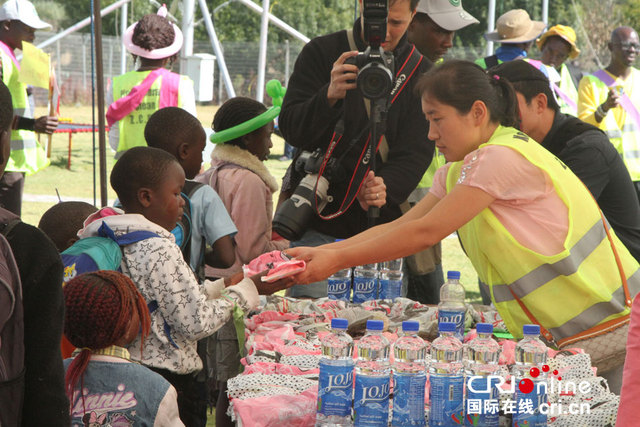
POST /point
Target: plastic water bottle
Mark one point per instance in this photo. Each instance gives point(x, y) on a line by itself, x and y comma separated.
point(446, 377)
point(452, 308)
point(340, 285)
point(409, 377)
point(390, 283)
point(531, 354)
point(481, 368)
point(365, 283)
point(371, 400)
point(335, 388)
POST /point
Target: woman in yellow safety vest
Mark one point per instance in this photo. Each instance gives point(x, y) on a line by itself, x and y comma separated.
point(135, 96)
point(531, 229)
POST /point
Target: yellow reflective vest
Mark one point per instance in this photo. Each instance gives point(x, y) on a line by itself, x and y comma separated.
point(132, 126)
point(27, 155)
point(567, 86)
point(568, 292)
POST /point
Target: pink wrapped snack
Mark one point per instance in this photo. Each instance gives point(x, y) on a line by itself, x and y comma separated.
point(277, 263)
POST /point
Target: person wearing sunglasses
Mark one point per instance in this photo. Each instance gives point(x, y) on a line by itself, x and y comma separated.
point(610, 99)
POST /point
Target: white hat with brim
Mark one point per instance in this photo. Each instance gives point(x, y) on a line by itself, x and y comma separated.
point(161, 53)
point(515, 26)
point(23, 11)
point(447, 14)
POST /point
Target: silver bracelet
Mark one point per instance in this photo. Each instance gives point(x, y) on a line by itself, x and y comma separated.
point(601, 111)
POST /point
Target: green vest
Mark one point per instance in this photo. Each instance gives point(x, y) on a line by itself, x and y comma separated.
point(569, 292)
point(27, 155)
point(626, 139)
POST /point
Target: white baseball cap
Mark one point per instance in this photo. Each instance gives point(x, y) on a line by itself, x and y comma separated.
point(23, 11)
point(448, 14)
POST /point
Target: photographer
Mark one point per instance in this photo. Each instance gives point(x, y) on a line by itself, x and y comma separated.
point(322, 90)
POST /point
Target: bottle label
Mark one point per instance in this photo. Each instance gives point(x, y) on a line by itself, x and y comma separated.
point(408, 400)
point(390, 289)
point(527, 408)
point(446, 400)
point(335, 389)
point(339, 289)
point(364, 289)
point(456, 317)
point(482, 407)
point(371, 401)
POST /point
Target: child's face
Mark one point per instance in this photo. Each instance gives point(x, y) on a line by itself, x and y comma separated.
point(258, 142)
point(165, 204)
point(192, 159)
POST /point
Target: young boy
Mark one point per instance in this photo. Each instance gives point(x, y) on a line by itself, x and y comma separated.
point(180, 134)
point(149, 182)
point(62, 221)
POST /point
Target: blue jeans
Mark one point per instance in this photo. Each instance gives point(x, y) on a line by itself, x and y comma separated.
point(312, 290)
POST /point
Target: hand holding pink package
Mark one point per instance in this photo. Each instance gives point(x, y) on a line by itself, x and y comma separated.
point(278, 264)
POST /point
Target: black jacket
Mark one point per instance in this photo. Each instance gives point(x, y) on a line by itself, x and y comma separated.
point(307, 122)
point(589, 154)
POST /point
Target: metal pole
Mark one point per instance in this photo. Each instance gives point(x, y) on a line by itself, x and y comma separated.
point(287, 62)
point(81, 24)
point(188, 16)
point(545, 11)
point(277, 22)
point(102, 145)
point(491, 24)
point(215, 43)
point(123, 28)
point(262, 56)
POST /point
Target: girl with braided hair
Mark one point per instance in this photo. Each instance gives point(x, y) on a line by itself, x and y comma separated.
point(135, 96)
point(103, 314)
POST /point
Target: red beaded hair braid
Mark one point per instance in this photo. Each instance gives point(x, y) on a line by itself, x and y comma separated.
point(98, 309)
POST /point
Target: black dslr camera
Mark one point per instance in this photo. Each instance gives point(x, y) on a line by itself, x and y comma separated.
point(293, 216)
point(375, 66)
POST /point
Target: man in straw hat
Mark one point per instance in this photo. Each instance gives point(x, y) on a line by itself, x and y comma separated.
point(432, 30)
point(18, 23)
point(557, 45)
point(136, 95)
point(610, 99)
point(516, 32)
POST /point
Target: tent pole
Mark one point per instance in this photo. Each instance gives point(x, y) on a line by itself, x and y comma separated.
point(102, 146)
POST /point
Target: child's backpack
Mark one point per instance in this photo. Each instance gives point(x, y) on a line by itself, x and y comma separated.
point(11, 334)
point(182, 232)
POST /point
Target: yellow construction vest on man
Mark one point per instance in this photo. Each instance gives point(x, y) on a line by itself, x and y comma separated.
point(567, 86)
point(132, 126)
point(27, 155)
point(621, 129)
point(567, 293)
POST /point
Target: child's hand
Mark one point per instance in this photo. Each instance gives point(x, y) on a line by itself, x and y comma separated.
point(268, 288)
point(233, 280)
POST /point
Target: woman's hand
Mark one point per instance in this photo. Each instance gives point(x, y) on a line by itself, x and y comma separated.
point(321, 263)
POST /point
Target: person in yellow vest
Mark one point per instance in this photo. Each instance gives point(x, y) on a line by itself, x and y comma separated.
point(610, 99)
point(134, 96)
point(18, 22)
point(557, 45)
point(432, 30)
point(532, 230)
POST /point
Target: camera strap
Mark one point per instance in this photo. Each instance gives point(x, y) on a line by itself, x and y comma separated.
point(403, 75)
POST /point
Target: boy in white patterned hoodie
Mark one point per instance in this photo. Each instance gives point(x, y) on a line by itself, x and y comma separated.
point(148, 182)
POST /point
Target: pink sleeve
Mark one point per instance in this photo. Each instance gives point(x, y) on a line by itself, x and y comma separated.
point(439, 186)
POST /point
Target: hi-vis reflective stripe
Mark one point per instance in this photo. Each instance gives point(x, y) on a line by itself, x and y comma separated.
point(597, 312)
point(632, 154)
point(19, 112)
point(23, 144)
point(613, 134)
point(547, 272)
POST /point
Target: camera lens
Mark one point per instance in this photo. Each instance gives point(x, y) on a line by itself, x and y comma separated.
point(374, 81)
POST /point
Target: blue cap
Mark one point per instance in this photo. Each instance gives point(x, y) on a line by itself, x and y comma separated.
point(531, 329)
point(453, 275)
point(338, 240)
point(484, 328)
point(446, 327)
point(410, 326)
point(375, 325)
point(339, 323)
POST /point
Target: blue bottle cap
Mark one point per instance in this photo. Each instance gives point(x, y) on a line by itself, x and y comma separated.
point(453, 275)
point(338, 240)
point(410, 326)
point(531, 329)
point(375, 325)
point(484, 328)
point(447, 327)
point(339, 323)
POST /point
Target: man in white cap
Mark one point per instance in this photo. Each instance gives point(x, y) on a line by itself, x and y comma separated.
point(435, 24)
point(18, 22)
point(432, 30)
point(516, 32)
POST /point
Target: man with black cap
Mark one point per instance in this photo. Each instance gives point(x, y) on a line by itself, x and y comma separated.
point(18, 22)
point(516, 32)
point(585, 149)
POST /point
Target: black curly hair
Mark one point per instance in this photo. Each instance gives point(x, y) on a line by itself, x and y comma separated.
point(235, 111)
